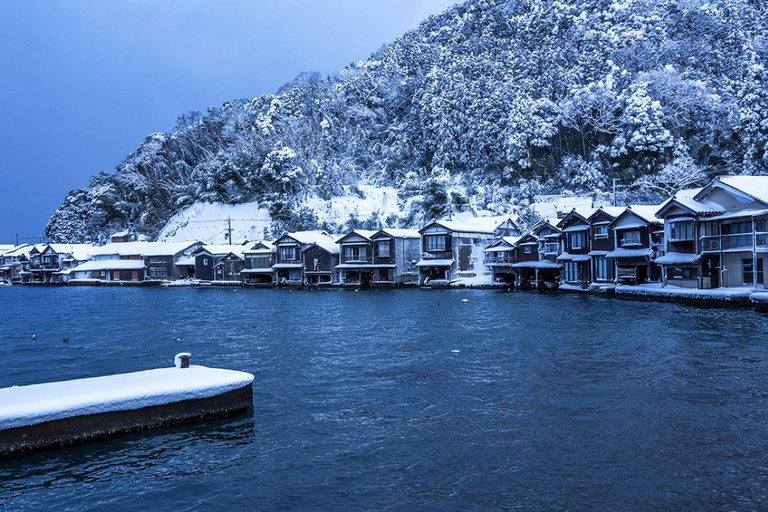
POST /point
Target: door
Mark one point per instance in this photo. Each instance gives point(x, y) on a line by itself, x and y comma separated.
point(465, 255)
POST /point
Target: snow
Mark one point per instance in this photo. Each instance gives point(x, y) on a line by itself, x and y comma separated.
point(223, 250)
point(38, 403)
point(401, 233)
point(543, 264)
point(755, 186)
point(572, 288)
point(187, 261)
point(576, 229)
point(630, 253)
point(677, 258)
point(435, 263)
point(759, 297)
point(485, 225)
point(96, 265)
point(658, 289)
point(207, 222)
point(478, 280)
point(4, 248)
point(141, 249)
point(319, 238)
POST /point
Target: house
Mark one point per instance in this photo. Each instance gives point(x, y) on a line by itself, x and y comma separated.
point(638, 239)
point(12, 262)
point(134, 261)
point(257, 269)
point(601, 240)
point(717, 236)
point(55, 261)
point(378, 259)
point(535, 257)
point(576, 246)
point(453, 249)
point(499, 257)
point(508, 228)
point(219, 262)
point(305, 257)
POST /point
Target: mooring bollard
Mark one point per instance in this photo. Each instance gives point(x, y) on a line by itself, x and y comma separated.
point(182, 360)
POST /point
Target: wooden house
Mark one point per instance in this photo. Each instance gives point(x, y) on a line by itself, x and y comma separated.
point(535, 257)
point(601, 243)
point(13, 262)
point(576, 246)
point(257, 270)
point(305, 257)
point(219, 262)
point(379, 259)
point(638, 235)
point(453, 249)
point(499, 257)
point(717, 236)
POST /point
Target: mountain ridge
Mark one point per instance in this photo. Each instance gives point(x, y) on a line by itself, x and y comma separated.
point(480, 108)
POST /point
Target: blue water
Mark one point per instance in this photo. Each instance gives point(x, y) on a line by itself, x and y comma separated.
point(361, 402)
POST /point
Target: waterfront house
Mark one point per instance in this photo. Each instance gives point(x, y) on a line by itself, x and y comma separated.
point(576, 245)
point(454, 249)
point(12, 262)
point(508, 227)
point(717, 236)
point(499, 257)
point(638, 236)
point(257, 269)
point(219, 262)
point(535, 257)
point(379, 259)
point(305, 257)
point(601, 241)
point(54, 262)
point(133, 262)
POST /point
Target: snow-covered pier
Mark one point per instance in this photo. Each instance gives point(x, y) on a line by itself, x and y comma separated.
point(57, 414)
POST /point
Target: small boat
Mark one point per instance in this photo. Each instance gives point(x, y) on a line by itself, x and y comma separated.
point(5, 283)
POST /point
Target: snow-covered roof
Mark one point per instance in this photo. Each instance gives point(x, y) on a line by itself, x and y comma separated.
point(319, 238)
point(629, 253)
point(739, 214)
point(142, 248)
point(685, 198)
point(187, 261)
point(19, 250)
point(472, 225)
point(677, 258)
point(755, 186)
point(125, 232)
point(435, 263)
point(573, 257)
point(80, 252)
point(612, 211)
point(646, 212)
point(95, 265)
point(223, 250)
point(536, 264)
point(400, 233)
point(5, 248)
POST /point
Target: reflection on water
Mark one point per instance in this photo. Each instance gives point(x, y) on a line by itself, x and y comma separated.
point(406, 399)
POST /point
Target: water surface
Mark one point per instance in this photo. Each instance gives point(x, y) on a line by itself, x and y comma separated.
point(406, 399)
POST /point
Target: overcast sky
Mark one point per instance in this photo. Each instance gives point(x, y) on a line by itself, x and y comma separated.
point(84, 81)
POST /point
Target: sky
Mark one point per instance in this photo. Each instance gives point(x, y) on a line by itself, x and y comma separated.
point(82, 82)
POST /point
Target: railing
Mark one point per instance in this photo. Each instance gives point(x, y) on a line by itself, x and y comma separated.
point(734, 242)
point(630, 242)
point(357, 259)
point(551, 248)
point(495, 260)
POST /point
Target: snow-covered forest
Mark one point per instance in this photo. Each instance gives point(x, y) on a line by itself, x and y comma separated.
point(481, 108)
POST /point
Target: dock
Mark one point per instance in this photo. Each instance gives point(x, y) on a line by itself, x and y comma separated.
point(56, 414)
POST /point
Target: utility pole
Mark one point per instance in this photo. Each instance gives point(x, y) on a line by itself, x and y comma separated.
point(17, 239)
point(229, 229)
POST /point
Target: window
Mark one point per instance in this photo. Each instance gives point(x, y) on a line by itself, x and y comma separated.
point(435, 242)
point(681, 231)
point(260, 262)
point(631, 237)
point(158, 259)
point(710, 229)
point(383, 248)
point(683, 273)
point(601, 231)
point(748, 271)
point(288, 254)
point(355, 253)
point(205, 261)
point(158, 272)
point(576, 240)
point(601, 268)
point(571, 271)
point(528, 249)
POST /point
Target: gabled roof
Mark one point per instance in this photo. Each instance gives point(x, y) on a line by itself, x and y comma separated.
point(485, 225)
point(645, 213)
point(584, 216)
point(19, 250)
point(507, 241)
point(142, 248)
point(363, 233)
point(222, 250)
point(398, 233)
point(610, 211)
point(754, 186)
point(685, 200)
point(80, 252)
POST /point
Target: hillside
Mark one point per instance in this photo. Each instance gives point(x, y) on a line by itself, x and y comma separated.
point(479, 109)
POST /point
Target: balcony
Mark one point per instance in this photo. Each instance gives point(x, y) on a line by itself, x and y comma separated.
point(551, 248)
point(357, 259)
point(498, 260)
point(738, 242)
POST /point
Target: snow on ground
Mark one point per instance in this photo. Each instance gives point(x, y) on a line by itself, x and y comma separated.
point(378, 202)
point(207, 222)
point(658, 289)
point(38, 403)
